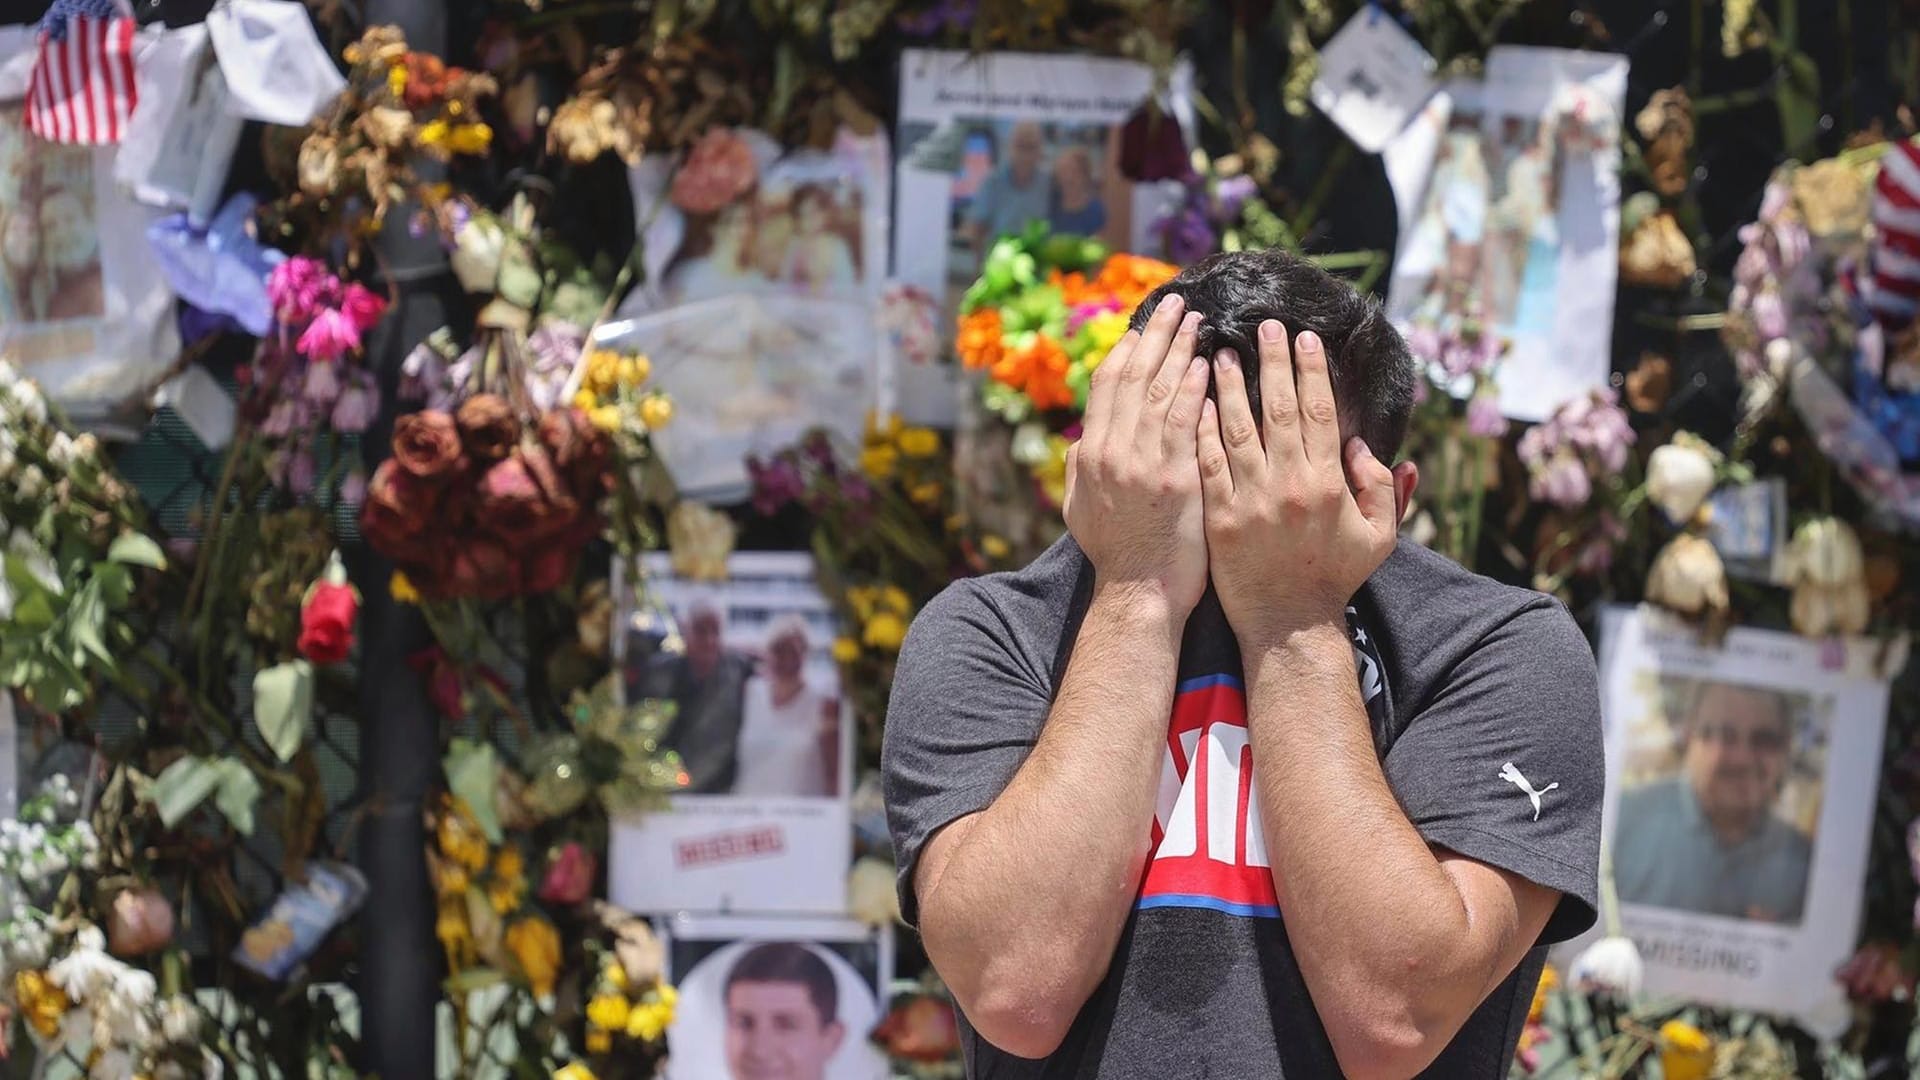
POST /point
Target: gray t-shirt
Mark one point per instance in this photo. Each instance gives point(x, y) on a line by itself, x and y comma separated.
point(1462, 677)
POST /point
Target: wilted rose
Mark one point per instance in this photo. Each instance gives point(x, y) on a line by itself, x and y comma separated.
point(920, 1029)
point(522, 500)
point(140, 922)
point(427, 444)
point(483, 568)
point(319, 165)
point(579, 449)
point(398, 507)
point(570, 875)
point(488, 428)
point(719, 169)
point(548, 569)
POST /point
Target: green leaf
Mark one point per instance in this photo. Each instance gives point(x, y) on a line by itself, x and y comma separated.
point(116, 583)
point(86, 624)
point(468, 980)
point(282, 705)
point(137, 549)
point(1797, 96)
point(235, 794)
point(473, 774)
point(519, 283)
point(184, 785)
point(34, 610)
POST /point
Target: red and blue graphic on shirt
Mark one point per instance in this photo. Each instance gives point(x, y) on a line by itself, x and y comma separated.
point(1209, 850)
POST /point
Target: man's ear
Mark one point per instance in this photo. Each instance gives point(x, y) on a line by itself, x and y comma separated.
point(1406, 477)
point(836, 1034)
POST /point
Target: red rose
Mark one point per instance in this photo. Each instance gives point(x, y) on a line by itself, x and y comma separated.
point(481, 567)
point(427, 444)
point(548, 569)
point(326, 622)
point(523, 500)
point(570, 875)
point(579, 450)
point(488, 428)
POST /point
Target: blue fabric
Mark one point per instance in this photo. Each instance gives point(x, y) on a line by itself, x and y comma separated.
point(54, 22)
point(222, 269)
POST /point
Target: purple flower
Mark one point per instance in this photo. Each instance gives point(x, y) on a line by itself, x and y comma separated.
point(1563, 482)
point(353, 490)
point(301, 472)
point(286, 416)
point(775, 483)
point(950, 15)
point(1484, 417)
point(1185, 235)
point(423, 369)
point(357, 405)
point(1769, 315)
point(322, 384)
point(1232, 193)
point(819, 449)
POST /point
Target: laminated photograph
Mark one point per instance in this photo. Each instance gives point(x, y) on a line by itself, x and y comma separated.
point(1517, 225)
point(990, 143)
point(792, 998)
point(749, 374)
point(762, 732)
point(1737, 831)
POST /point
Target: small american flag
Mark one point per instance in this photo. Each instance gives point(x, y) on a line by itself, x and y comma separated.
point(82, 89)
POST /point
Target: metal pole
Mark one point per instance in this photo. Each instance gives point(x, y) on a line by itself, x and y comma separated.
point(399, 981)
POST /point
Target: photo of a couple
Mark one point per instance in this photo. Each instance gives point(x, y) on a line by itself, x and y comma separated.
point(1014, 172)
point(788, 237)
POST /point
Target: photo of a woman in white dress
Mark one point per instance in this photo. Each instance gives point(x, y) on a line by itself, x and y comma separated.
point(789, 728)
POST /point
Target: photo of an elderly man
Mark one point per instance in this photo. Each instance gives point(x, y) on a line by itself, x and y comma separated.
point(1711, 838)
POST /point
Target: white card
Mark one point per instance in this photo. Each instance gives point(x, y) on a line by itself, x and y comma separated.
point(203, 404)
point(1373, 77)
point(1749, 529)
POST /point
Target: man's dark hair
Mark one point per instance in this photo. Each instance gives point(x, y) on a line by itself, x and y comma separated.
point(789, 962)
point(1373, 373)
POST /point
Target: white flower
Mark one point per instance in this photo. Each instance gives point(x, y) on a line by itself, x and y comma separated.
point(1688, 577)
point(87, 972)
point(179, 1019)
point(1828, 572)
point(477, 252)
point(871, 896)
point(32, 483)
point(25, 399)
point(1029, 444)
point(1611, 966)
point(60, 450)
point(1680, 477)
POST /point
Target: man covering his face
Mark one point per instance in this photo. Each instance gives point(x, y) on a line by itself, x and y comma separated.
point(1708, 840)
point(782, 1014)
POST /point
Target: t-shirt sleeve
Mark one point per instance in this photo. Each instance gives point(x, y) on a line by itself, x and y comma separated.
point(1516, 723)
point(965, 711)
point(980, 210)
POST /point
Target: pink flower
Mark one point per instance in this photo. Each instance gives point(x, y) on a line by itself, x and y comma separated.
point(353, 489)
point(363, 306)
point(295, 286)
point(330, 336)
point(322, 384)
point(301, 472)
point(357, 405)
point(1562, 481)
point(286, 415)
point(569, 877)
point(1484, 417)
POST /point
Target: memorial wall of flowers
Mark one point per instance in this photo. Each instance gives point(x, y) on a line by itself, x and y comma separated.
point(193, 555)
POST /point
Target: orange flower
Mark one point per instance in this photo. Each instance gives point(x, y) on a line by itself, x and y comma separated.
point(1132, 277)
point(1074, 288)
point(979, 341)
point(1038, 369)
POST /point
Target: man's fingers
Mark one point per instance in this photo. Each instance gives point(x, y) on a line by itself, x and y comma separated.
point(1319, 416)
point(1073, 461)
point(1100, 392)
point(1237, 428)
point(1168, 380)
point(1281, 423)
point(1130, 395)
point(1372, 484)
point(1183, 415)
point(1216, 473)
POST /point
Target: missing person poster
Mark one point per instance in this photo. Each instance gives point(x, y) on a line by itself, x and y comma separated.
point(990, 143)
point(792, 998)
point(762, 730)
point(1736, 816)
point(1516, 223)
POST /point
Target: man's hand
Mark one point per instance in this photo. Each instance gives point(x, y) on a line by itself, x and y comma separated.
point(1288, 541)
point(1133, 480)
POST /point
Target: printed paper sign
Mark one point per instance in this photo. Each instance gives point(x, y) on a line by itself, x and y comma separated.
point(1373, 77)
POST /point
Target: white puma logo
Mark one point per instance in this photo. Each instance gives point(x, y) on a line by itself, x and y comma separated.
point(1512, 776)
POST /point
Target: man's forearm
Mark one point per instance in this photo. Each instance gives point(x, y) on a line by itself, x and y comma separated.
point(1375, 920)
point(1027, 910)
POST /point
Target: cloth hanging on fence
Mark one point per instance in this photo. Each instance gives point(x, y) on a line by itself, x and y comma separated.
point(1896, 245)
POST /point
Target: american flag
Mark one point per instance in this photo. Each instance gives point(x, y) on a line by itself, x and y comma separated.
point(1896, 246)
point(82, 89)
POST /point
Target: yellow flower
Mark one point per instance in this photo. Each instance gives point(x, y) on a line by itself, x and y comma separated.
point(650, 1021)
point(470, 139)
point(656, 412)
point(885, 631)
point(603, 370)
point(1549, 979)
point(397, 80)
point(400, 587)
point(926, 494)
point(449, 877)
point(585, 400)
point(1102, 333)
point(846, 650)
point(994, 547)
point(460, 837)
point(577, 1070)
point(509, 884)
point(895, 598)
point(1686, 1053)
point(605, 417)
point(615, 973)
point(42, 1001)
point(535, 946)
point(608, 1012)
point(599, 1042)
point(918, 442)
point(861, 599)
point(879, 461)
point(879, 430)
point(634, 370)
point(452, 928)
